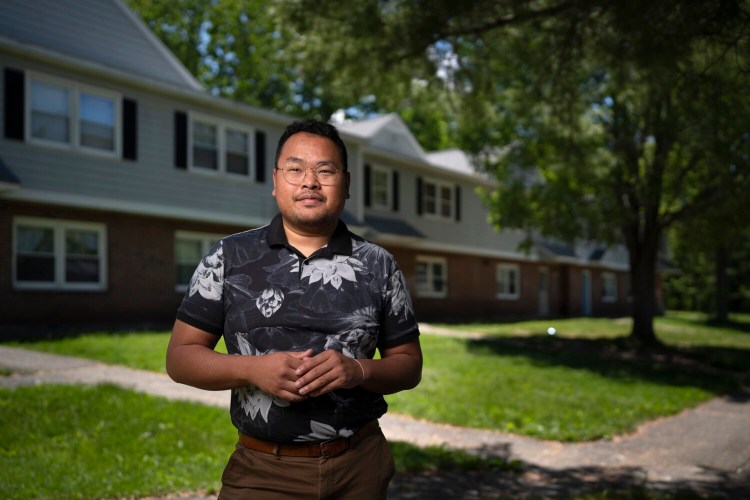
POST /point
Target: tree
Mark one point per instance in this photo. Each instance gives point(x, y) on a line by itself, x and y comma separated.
point(601, 120)
point(714, 262)
point(238, 49)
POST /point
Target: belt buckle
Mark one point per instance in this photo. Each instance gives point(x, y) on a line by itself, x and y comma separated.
point(334, 450)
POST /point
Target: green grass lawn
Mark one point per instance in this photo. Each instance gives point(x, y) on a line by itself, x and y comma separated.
point(582, 383)
point(107, 442)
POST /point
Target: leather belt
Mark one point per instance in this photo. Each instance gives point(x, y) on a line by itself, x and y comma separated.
point(311, 450)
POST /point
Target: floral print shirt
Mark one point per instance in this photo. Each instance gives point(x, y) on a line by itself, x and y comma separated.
point(264, 296)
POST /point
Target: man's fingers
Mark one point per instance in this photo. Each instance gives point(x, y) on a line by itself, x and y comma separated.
point(302, 354)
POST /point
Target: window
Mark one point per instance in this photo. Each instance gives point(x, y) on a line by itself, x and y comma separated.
point(508, 280)
point(437, 199)
point(381, 187)
point(69, 115)
point(59, 254)
point(189, 249)
point(97, 122)
point(609, 287)
point(220, 148)
point(50, 112)
point(432, 277)
point(205, 146)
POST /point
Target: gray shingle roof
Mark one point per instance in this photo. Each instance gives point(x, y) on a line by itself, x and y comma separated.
point(104, 32)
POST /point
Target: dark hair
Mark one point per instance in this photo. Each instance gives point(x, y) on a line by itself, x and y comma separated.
point(315, 127)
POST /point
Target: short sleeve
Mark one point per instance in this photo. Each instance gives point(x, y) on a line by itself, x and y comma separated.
point(203, 303)
point(399, 324)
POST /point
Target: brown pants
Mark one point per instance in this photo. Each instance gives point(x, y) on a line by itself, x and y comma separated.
point(359, 473)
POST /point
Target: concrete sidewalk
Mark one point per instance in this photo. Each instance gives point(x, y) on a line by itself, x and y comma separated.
point(709, 444)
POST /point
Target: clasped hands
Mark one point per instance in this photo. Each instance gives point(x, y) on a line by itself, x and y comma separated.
point(295, 376)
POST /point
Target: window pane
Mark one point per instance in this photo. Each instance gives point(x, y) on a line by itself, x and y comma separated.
point(236, 141)
point(97, 122)
point(184, 273)
point(237, 164)
point(188, 251)
point(50, 112)
point(32, 268)
point(421, 274)
point(82, 270)
point(34, 239)
point(205, 154)
point(445, 201)
point(81, 256)
point(380, 188)
point(237, 152)
point(81, 242)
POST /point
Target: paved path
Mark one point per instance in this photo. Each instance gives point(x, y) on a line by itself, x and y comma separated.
point(706, 448)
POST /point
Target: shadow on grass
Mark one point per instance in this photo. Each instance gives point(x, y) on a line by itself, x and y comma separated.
point(716, 369)
point(580, 482)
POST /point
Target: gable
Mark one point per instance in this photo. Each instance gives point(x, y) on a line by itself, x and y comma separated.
point(104, 32)
point(388, 133)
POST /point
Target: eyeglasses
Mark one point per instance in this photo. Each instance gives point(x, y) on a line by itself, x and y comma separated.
point(327, 175)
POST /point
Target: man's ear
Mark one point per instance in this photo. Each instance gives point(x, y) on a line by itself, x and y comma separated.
point(348, 184)
point(273, 178)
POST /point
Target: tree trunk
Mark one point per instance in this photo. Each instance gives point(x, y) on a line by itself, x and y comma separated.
point(722, 284)
point(643, 252)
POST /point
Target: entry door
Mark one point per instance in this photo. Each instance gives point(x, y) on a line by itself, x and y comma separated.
point(543, 291)
point(586, 302)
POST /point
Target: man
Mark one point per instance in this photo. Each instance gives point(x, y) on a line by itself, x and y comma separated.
point(302, 304)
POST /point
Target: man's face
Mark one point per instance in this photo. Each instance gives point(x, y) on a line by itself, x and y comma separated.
point(310, 207)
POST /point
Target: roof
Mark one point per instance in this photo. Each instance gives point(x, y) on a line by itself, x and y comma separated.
point(105, 32)
point(386, 132)
point(387, 225)
point(452, 159)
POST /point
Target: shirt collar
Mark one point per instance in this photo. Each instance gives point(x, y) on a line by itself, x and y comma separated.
point(340, 242)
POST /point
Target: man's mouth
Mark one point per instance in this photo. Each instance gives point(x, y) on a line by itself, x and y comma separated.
point(309, 197)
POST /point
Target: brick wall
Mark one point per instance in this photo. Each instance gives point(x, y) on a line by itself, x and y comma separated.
point(141, 271)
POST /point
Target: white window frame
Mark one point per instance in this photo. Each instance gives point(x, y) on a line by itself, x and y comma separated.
point(207, 240)
point(609, 286)
point(502, 274)
point(427, 289)
point(221, 137)
point(438, 213)
point(74, 99)
point(388, 173)
point(59, 227)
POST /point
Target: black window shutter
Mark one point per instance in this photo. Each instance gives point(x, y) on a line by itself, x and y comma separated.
point(458, 203)
point(129, 129)
point(395, 192)
point(180, 139)
point(419, 196)
point(14, 104)
point(260, 156)
point(368, 185)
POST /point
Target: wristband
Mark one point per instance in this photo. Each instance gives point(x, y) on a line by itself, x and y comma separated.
point(361, 368)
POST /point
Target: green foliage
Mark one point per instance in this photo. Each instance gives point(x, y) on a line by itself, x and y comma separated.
point(600, 121)
point(239, 49)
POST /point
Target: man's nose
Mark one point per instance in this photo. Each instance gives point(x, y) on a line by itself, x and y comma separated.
point(310, 178)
